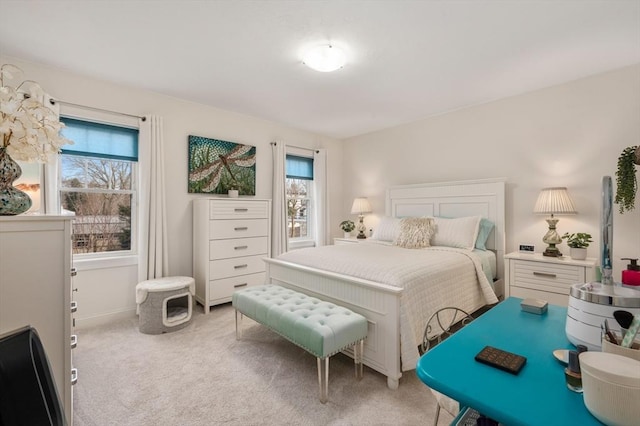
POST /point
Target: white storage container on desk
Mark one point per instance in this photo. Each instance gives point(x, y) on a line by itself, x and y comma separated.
point(230, 239)
point(611, 387)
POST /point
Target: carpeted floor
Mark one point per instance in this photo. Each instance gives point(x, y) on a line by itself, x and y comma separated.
point(202, 375)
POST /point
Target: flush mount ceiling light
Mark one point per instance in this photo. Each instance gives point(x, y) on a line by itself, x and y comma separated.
point(324, 58)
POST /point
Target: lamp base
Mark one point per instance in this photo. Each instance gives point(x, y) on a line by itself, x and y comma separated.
point(552, 251)
point(361, 228)
point(552, 238)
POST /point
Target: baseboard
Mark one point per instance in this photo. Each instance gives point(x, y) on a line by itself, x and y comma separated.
point(104, 318)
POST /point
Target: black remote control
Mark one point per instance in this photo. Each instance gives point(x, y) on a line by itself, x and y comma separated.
point(503, 360)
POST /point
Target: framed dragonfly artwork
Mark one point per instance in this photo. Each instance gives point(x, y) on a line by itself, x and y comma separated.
point(216, 166)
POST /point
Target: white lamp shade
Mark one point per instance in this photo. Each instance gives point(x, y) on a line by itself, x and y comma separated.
point(360, 205)
point(554, 201)
point(324, 58)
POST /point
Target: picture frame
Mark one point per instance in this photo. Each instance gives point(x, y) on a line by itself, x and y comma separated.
point(217, 166)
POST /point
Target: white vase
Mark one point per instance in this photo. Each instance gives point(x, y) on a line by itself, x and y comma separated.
point(347, 234)
point(233, 193)
point(578, 253)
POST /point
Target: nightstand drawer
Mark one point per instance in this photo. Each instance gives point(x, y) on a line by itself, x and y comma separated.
point(548, 278)
point(545, 276)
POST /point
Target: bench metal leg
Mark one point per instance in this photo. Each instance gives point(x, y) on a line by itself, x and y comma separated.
point(358, 352)
point(323, 378)
point(238, 324)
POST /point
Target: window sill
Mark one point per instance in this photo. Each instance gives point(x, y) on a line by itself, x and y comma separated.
point(105, 262)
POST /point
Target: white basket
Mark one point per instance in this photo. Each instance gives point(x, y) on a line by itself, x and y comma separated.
point(632, 352)
point(611, 387)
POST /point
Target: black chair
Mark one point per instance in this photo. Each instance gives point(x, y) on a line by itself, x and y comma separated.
point(28, 394)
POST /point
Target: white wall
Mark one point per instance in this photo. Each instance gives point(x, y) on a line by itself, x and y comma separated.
point(569, 135)
point(103, 294)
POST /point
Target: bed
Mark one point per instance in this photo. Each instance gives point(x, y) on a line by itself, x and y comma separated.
point(397, 311)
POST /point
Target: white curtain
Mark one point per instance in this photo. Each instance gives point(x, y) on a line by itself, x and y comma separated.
point(153, 259)
point(320, 195)
point(279, 242)
point(50, 193)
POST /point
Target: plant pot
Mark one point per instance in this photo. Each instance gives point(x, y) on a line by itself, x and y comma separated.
point(233, 193)
point(578, 253)
point(347, 234)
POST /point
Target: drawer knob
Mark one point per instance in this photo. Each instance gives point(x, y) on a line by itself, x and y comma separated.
point(239, 210)
point(240, 266)
point(544, 274)
point(240, 285)
point(240, 228)
point(241, 247)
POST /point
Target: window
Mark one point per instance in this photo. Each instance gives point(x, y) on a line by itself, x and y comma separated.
point(98, 183)
point(299, 187)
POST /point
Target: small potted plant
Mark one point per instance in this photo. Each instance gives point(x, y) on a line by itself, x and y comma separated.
point(347, 226)
point(578, 244)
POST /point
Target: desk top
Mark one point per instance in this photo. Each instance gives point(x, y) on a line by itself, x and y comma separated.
point(538, 395)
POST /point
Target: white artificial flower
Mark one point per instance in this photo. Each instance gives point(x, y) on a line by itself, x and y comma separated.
point(29, 130)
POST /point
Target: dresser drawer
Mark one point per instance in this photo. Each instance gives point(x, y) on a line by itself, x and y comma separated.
point(238, 228)
point(224, 288)
point(542, 276)
point(239, 210)
point(226, 268)
point(224, 249)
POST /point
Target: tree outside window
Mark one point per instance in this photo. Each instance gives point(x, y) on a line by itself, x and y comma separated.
point(99, 192)
point(298, 208)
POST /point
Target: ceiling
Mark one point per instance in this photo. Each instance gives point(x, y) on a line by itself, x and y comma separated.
point(407, 60)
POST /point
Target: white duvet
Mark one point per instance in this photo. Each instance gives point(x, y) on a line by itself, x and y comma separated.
point(432, 278)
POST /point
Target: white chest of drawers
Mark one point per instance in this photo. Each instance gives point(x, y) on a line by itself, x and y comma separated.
point(35, 289)
point(547, 278)
point(230, 239)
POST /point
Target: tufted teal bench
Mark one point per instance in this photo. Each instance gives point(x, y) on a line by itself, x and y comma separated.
point(321, 328)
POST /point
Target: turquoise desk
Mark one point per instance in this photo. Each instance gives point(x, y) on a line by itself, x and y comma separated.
point(537, 396)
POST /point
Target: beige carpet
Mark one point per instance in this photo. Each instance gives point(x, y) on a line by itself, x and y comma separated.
point(202, 375)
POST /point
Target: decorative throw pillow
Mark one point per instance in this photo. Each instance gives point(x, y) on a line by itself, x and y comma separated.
point(486, 226)
point(388, 229)
point(415, 232)
point(459, 232)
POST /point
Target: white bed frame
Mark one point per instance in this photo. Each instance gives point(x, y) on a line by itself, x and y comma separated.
point(380, 303)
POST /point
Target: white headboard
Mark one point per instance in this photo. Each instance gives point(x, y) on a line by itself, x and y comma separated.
point(484, 197)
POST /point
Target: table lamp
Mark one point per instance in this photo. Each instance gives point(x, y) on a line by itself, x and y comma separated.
point(553, 201)
point(359, 207)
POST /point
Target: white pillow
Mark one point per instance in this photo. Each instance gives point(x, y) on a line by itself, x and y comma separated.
point(415, 232)
point(388, 229)
point(460, 232)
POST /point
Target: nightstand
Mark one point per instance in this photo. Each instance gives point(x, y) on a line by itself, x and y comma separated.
point(342, 241)
point(548, 278)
